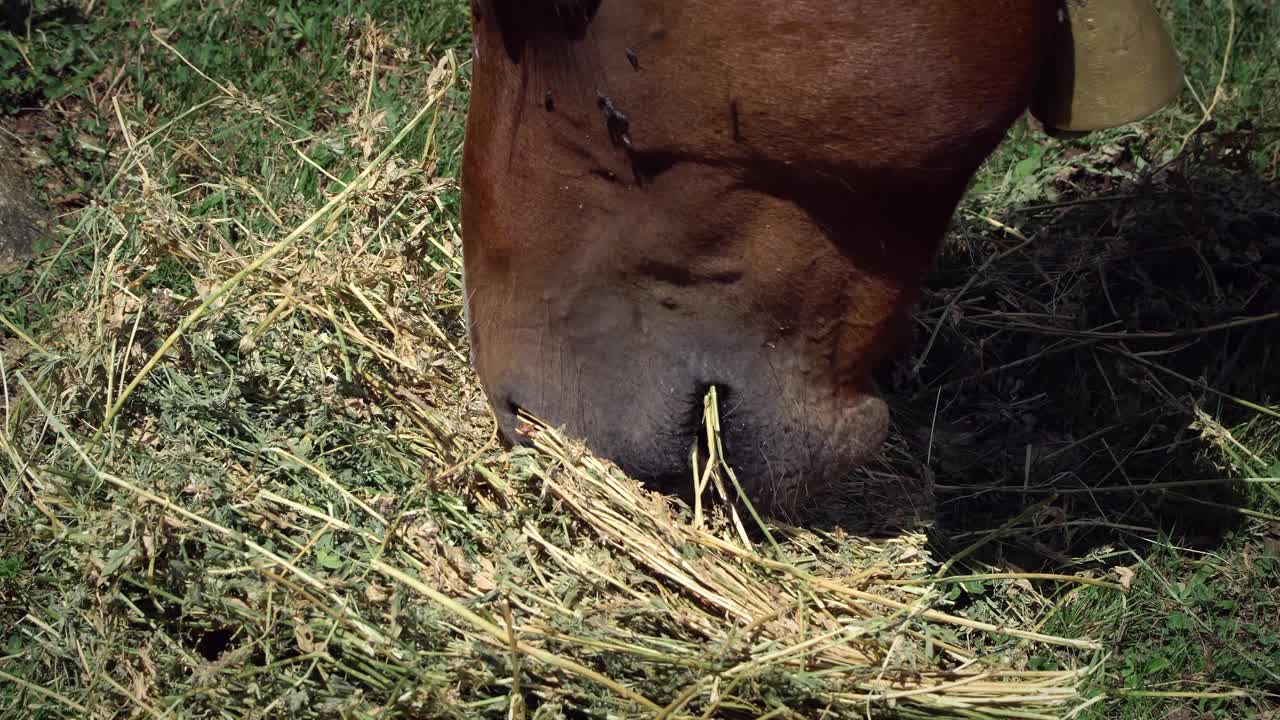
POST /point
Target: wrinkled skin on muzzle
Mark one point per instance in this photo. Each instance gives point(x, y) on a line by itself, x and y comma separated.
point(662, 196)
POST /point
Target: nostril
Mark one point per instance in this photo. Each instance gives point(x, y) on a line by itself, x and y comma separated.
point(513, 423)
point(724, 399)
point(695, 417)
point(695, 426)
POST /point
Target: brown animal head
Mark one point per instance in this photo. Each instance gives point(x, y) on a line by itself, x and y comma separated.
point(660, 196)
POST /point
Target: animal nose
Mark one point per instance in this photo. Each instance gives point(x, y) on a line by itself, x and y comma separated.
point(780, 447)
point(648, 433)
point(513, 420)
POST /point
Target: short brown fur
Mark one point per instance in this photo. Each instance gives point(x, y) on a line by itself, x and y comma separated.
point(663, 195)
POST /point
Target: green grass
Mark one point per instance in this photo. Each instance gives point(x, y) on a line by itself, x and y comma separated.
point(332, 354)
point(1193, 623)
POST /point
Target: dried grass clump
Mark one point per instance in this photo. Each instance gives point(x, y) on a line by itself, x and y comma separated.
point(802, 624)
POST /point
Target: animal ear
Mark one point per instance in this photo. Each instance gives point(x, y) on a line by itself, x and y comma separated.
point(525, 22)
point(1112, 63)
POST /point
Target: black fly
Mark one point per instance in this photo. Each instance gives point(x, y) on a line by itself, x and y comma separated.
point(616, 121)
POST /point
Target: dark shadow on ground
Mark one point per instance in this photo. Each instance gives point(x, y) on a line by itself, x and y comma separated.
point(16, 14)
point(1074, 363)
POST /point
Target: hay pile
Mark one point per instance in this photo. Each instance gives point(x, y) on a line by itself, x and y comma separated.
point(279, 495)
